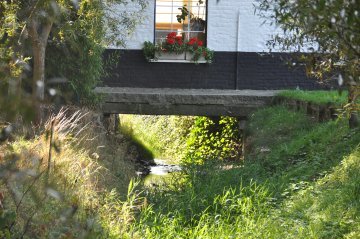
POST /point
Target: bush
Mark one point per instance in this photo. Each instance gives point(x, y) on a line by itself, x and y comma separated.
point(214, 139)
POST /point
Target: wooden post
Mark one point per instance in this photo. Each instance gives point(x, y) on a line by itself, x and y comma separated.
point(111, 123)
point(117, 123)
point(106, 122)
point(242, 125)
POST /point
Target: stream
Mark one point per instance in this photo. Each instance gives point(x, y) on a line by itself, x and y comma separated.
point(160, 171)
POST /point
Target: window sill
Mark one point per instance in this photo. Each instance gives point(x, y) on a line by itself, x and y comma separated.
point(176, 61)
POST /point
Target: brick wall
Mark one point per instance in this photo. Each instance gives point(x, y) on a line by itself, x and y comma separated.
point(230, 70)
point(265, 71)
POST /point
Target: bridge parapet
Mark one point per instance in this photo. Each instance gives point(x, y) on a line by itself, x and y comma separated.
point(202, 102)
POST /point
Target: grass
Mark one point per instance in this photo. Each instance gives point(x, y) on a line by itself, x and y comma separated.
point(318, 97)
point(299, 180)
point(330, 208)
point(87, 167)
point(165, 136)
point(145, 154)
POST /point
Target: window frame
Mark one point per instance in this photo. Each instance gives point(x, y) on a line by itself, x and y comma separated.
point(205, 27)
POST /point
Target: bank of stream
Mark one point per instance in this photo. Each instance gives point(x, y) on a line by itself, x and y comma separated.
point(280, 192)
point(174, 139)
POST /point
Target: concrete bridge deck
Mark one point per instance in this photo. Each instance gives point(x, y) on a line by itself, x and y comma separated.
point(206, 102)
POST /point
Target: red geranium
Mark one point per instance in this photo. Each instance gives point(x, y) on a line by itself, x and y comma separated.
point(192, 41)
point(179, 40)
point(195, 41)
point(173, 43)
point(171, 35)
point(170, 41)
point(172, 38)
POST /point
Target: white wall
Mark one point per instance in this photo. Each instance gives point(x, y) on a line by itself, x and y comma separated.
point(232, 26)
point(144, 31)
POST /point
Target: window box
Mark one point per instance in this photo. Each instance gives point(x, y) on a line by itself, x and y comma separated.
point(173, 48)
point(170, 56)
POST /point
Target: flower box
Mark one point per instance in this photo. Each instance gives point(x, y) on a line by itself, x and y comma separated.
point(190, 56)
point(175, 49)
point(169, 56)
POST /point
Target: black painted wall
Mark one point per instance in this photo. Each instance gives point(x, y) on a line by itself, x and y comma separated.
point(230, 70)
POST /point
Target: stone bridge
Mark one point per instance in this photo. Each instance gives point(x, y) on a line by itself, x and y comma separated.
point(199, 102)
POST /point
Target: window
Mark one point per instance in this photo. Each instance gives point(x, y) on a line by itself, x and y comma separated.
point(185, 17)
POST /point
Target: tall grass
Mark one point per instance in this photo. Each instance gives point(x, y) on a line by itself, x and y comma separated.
point(299, 179)
point(55, 184)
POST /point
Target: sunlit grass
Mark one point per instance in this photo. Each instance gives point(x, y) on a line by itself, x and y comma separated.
point(318, 97)
point(165, 136)
point(299, 180)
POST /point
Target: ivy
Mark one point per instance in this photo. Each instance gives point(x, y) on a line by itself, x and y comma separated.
point(214, 139)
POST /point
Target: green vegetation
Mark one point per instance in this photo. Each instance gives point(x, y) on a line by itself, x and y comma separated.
point(86, 168)
point(69, 38)
point(186, 139)
point(216, 138)
point(328, 32)
point(300, 179)
point(165, 136)
point(317, 97)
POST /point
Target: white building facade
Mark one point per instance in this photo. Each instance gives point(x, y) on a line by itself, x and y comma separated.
point(228, 27)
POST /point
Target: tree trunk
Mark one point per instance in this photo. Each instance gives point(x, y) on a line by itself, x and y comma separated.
point(39, 34)
point(352, 98)
point(38, 84)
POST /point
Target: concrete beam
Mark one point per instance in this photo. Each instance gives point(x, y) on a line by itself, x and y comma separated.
point(183, 101)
